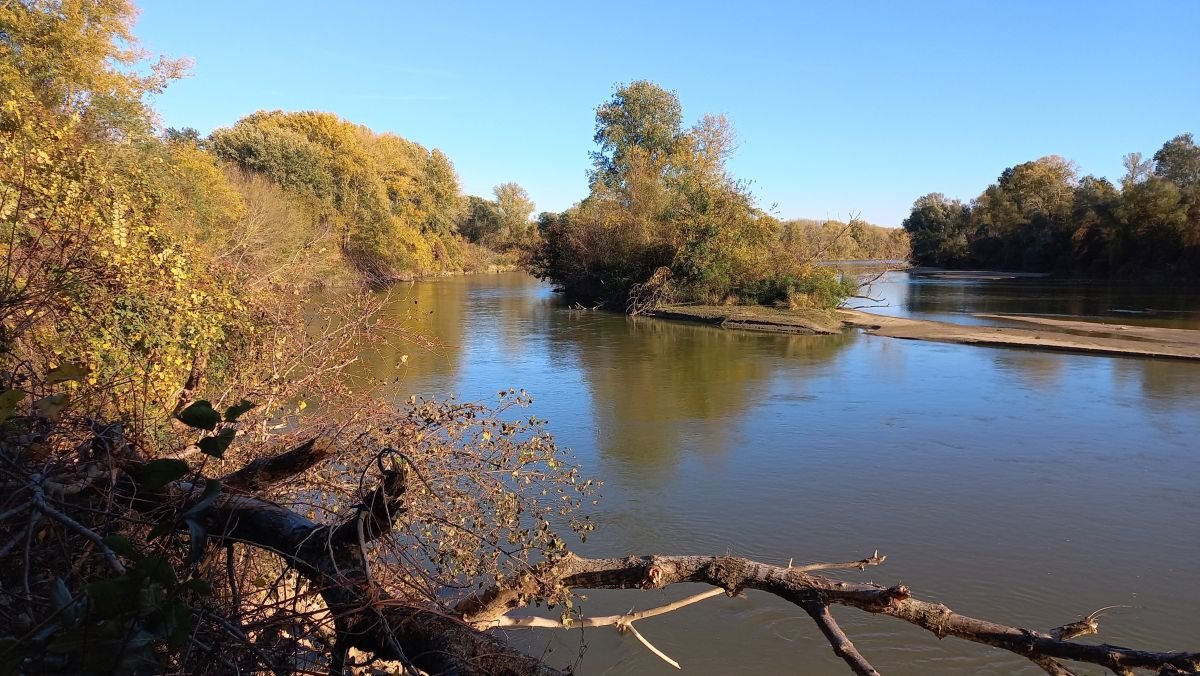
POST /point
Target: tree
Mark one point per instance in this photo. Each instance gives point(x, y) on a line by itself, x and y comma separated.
point(515, 209)
point(1096, 243)
point(665, 221)
point(186, 135)
point(1038, 216)
point(481, 219)
point(938, 227)
point(1178, 161)
point(82, 59)
point(640, 118)
point(395, 204)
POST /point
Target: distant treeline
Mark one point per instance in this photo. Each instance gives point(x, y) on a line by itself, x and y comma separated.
point(842, 241)
point(1040, 217)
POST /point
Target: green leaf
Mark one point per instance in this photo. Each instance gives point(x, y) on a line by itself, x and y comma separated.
point(234, 412)
point(158, 569)
point(113, 597)
point(212, 488)
point(200, 415)
point(199, 538)
point(121, 545)
point(9, 400)
point(179, 624)
point(158, 473)
point(65, 373)
point(217, 444)
point(198, 585)
point(51, 407)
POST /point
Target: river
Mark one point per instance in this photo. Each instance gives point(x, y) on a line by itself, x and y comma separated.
point(1021, 486)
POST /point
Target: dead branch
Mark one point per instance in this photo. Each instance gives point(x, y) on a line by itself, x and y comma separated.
point(365, 616)
point(842, 647)
point(261, 473)
point(812, 592)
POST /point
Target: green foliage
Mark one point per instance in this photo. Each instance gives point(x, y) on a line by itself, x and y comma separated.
point(158, 473)
point(481, 219)
point(661, 199)
point(120, 622)
point(1039, 217)
point(515, 208)
point(201, 415)
point(640, 118)
point(217, 444)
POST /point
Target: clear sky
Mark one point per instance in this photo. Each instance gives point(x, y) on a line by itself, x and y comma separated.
point(840, 107)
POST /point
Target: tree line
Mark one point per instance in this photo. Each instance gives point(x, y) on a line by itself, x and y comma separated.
point(1040, 216)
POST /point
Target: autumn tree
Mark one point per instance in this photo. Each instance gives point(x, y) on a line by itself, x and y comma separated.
point(395, 203)
point(665, 218)
point(642, 122)
point(515, 208)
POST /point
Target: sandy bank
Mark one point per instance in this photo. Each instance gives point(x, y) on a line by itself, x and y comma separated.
point(1044, 333)
point(756, 318)
point(1047, 334)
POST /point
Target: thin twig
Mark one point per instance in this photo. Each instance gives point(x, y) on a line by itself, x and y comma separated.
point(651, 647)
point(39, 501)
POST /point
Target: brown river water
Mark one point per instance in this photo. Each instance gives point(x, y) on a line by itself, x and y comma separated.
point(1025, 487)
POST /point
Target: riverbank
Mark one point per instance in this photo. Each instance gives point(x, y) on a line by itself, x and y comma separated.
point(1043, 333)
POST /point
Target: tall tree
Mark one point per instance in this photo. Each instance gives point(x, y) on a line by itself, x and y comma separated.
point(938, 227)
point(515, 208)
point(641, 117)
point(81, 59)
point(1178, 161)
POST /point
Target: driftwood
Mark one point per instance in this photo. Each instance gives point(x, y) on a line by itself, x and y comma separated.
point(440, 640)
point(815, 593)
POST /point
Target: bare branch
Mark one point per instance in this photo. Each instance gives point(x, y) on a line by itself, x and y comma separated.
point(39, 501)
point(842, 646)
point(734, 574)
point(377, 512)
point(861, 564)
point(261, 473)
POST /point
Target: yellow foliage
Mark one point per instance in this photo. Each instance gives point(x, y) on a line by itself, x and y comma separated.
point(93, 277)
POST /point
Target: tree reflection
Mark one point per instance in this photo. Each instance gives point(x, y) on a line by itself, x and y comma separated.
point(660, 389)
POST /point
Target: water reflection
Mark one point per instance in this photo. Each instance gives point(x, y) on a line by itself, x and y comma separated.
point(654, 383)
point(991, 477)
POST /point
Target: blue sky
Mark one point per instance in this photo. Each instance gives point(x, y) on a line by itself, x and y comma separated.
point(840, 108)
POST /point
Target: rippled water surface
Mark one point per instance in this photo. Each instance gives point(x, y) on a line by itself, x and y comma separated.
point(1022, 486)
